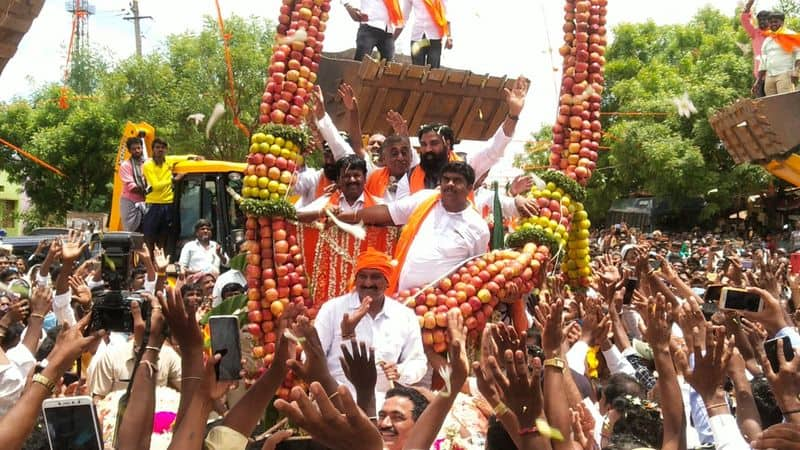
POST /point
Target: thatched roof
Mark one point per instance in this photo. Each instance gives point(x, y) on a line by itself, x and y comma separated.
point(16, 17)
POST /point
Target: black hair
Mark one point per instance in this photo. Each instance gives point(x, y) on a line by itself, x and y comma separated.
point(13, 335)
point(350, 162)
point(461, 168)
point(497, 438)
point(442, 130)
point(640, 419)
point(777, 15)
point(625, 441)
point(618, 386)
point(231, 287)
point(419, 400)
point(765, 402)
point(6, 274)
point(132, 140)
point(393, 139)
point(160, 141)
point(191, 287)
point(763, 14)
point(202, 223)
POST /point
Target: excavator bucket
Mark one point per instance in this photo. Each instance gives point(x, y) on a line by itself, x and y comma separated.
point(765, 131)
point(473, 105)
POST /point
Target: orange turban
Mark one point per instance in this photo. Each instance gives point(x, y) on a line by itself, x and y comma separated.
point(374, 259)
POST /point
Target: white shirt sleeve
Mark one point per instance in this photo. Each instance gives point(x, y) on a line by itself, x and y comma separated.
point(186, 255)
point(726, 433)
point(62, 308)
point(337, 143)
point(413, 362)
point(617, 362)
point(401, 209)
point(306, 185)
point(403, 187)
point(12, 383)
point(42, 281)
point(576, 357)
point(325, 326)
point(23, 358)
point(483, 160)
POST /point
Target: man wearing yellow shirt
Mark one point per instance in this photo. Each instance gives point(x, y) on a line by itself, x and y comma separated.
point(159, 220)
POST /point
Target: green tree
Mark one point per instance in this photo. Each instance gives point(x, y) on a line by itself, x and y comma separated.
point(670, 156)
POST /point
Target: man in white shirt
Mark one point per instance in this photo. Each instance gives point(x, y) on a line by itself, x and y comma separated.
point(349, 195)
point(397, 158)
point(202, 254)
point(436, 146)
point(441, 228)
point(779, 67)
point(431, 27)
point(383, 323)
point(380, 24)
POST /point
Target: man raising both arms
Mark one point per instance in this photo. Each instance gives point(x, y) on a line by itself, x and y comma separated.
point(441, 228)
point(436, 146)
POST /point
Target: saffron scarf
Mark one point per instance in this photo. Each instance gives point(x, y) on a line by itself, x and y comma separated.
point(395, 13)
point(324, 182)
point(336, 197)
point(789, 42)
point(436, 10)
point(416, 179)
point(377, 182)
point(407, 236)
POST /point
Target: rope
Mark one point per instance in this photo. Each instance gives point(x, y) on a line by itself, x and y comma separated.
point(31, 157)
point(231, 98)
point(62, 97)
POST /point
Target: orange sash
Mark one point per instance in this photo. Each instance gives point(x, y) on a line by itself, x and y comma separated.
point(789, 42)
point(416, 181)
point(407, 237)
point(377, 182)
point(395, 13)
point(337, 196)
point(324, 182)
point(436, 10)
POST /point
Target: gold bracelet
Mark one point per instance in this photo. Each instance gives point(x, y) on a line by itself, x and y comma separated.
point(500, 409)
point(47, 383)
point(717, 405)
point(37, 315)
point(155, 349)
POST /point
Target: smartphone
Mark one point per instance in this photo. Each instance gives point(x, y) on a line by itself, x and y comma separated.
point(225, 341)
point(72, 423)
point(747, 264)
point(740, 299)
point(630, 285)
point(296, 443)
point(713, 293)
point(771, 348)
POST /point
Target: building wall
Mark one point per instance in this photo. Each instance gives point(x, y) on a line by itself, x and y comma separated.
point(12, 200)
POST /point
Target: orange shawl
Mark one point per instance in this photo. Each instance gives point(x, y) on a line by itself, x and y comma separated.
point(407, 236)
point(436, 10)
point(395, 13)
point(377, 182)
point(324, 182)
point(789, 42)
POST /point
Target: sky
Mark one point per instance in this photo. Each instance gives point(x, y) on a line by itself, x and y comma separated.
point(512, 37)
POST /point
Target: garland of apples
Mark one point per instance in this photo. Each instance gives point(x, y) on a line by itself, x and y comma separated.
point(275, 271)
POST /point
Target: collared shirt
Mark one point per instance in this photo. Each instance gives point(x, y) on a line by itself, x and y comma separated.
point(197, 258)
point(775, 60)
point(481, 161)
point(128, 182)
point(113, 371)
point(444, 240)
point(159, 178)
point(394, 334)
point(484, 200)
point(423, 22)
point(756, 38)
point(344, 206)
point(12, 383)
point(378, 15)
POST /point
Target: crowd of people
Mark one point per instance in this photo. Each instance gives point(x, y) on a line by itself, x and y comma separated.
point(776, 51)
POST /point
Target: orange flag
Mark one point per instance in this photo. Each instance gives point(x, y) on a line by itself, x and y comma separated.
point(395, 13)
point(789, 42)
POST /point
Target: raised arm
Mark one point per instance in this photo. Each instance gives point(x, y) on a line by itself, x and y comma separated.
point(350, 103)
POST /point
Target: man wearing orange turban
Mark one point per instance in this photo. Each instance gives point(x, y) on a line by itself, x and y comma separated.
point(383, 323)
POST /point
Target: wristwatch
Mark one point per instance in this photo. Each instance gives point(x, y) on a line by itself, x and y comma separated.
point(555, 362)
point(44, 381)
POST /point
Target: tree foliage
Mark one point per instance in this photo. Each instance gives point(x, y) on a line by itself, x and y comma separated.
point(669, 156)
point(187, 76)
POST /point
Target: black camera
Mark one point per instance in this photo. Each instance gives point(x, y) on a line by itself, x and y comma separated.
point(112, 311)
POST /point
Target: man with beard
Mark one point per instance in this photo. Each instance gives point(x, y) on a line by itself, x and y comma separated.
point(131, 204)
point(780, 57)
point(202, 254)
point(368, 315)
point(374, 146)
point(349, 195)
point(396, 158)
point(440, 231)
point(436, 146)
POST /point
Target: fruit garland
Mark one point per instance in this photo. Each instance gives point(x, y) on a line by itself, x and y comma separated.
point(577, 132)
point(275, 270)
point(295, 61)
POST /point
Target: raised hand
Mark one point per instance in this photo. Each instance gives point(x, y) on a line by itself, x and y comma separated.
point(71, 343)
point(349, 323)
point(783, 436)
point(182, 320)
point(80, 289)
point(349, 100)
point(515, 97)
point(160, 260)
point(786, 382)
point(550, 316)
point(347, 428)
point(526, 207)
point(41, 300)
point(73, 247)
point(709, 368)
point(520, 386)
point(315, 366)
point(359, 365)
point(505, 338)
point(459, 363)
point(318, 101)
point(398, 123)
point(771, 316)
point(520, 185)
point(657, 319)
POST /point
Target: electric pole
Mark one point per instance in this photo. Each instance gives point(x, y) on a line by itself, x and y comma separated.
point(135, 17)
